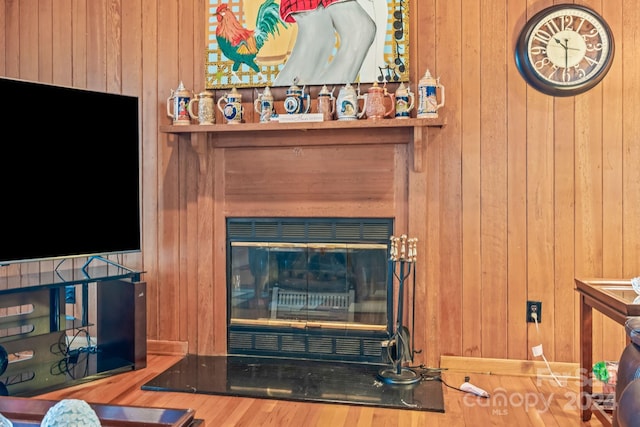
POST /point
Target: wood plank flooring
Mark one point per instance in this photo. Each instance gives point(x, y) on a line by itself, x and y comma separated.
point(521, 400)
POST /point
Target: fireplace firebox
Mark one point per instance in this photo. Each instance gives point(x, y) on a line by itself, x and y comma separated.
point(313, 288)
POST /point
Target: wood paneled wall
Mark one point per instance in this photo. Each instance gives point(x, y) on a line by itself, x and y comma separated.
point(522, 191)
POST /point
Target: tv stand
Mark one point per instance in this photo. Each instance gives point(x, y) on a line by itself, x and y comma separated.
point(51, 344)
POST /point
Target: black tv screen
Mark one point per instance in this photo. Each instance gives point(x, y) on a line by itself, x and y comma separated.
point(69, 172)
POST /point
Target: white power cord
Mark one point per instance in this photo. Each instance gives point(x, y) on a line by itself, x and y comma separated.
point(537, 350)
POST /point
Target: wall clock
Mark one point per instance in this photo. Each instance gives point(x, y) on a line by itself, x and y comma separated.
point(564, 50)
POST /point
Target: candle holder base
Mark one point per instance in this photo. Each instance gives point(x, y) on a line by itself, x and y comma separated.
point(391, 376)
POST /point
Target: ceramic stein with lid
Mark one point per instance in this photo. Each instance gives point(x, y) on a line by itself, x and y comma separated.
point(348, 103)
point(296, 101)
point(428, 105)
point(178, 106)
point(404, 102)
point(204, 102)
point(326, 103)
point(232, 109)
point(263, 105)
point(374, 102)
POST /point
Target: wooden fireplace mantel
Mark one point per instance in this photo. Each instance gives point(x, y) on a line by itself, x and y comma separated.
point(412, 131)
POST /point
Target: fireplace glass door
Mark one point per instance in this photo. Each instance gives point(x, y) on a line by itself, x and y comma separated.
point(326, 285)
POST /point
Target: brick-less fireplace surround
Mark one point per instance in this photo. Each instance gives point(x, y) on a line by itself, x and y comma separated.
point(358, 169)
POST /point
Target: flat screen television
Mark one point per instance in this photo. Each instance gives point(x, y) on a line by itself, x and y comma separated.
point(69, 172)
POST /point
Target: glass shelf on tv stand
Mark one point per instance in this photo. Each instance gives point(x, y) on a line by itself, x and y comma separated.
point(67, 277)
point(105, 322)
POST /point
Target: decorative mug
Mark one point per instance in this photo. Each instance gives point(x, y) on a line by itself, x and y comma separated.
point(179, 100)
point(204, 102)
point(428, 105)
point(404, 102)
point(374, 102)
point(326, 103)
point(264, 105)
point(348, 104)
point(232, 109)
point(296, 101)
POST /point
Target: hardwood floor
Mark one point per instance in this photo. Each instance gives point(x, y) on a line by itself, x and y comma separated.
point(521, 400)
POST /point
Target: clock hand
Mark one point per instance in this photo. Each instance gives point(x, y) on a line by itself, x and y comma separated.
point(566, 50)
point(560, 42)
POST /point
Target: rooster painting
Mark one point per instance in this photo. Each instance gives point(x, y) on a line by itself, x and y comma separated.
point(240, 44)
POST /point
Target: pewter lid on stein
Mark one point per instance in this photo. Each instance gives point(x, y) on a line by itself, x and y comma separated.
point(324, 91)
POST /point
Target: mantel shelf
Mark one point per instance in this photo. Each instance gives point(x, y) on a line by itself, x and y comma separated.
point(410, 131)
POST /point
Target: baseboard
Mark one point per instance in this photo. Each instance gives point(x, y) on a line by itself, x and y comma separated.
point(167, 348)
point(513, 367)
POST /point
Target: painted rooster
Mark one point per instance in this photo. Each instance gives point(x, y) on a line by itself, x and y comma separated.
point(240, 44)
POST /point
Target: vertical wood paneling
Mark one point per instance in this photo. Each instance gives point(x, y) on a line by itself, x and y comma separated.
point(540, 221)
point(445, 208)
point(130, 62)
point(191, 257)
point(113, 46)
point(517, 347)
point(470, 114)
point(521, 191)
point(214, 334)
point(61, 43)
point(28, 38)
point(424, 30)
point(45, 41)
point(12, 39)
point(97, 44)
point(169, 76)
point(560, 319)
point(79, 43)
point(188, 180)
point(153, 109)
point(493, 184)
point(3, 39)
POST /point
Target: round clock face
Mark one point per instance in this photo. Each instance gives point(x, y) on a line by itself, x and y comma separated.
point(564, 50)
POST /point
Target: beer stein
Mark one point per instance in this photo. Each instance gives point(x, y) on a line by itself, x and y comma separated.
point(204, 102)
point(427, 101)
point(404, 102)
point(296, 101)
point(374, 102)
point(264, 105)
point(326, 103)
point(348, 103)
point(178, 104)
point(232, 110)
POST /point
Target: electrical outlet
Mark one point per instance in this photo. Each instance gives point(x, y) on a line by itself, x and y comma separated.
point(534, 307)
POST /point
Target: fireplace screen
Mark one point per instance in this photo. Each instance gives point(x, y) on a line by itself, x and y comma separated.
point(326, 285)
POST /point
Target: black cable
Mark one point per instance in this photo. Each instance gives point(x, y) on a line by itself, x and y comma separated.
point(450, 386)
point(433, 374)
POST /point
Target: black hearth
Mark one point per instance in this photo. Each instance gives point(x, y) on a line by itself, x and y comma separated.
point(312, 288)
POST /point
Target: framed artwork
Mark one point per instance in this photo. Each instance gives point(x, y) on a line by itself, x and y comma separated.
point(254, 43)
